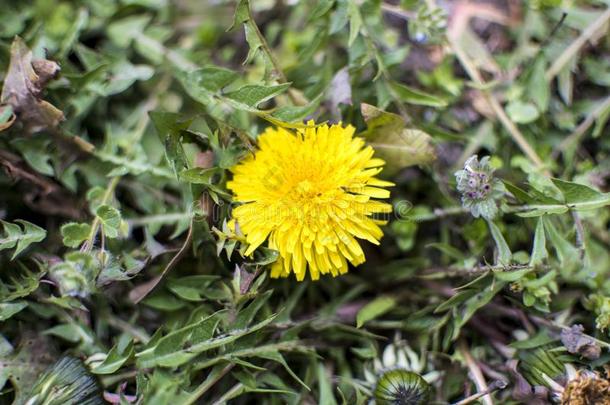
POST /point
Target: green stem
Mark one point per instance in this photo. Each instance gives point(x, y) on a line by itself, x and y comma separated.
point(159, 219)
point(88, 244)
point(213, 378)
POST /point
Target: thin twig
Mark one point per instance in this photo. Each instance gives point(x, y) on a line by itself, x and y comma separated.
point(494, 104)
point(582, 128)
point(141, 291)
point(575, 46)
point(580, 234)
point(476, 374)
point(276, 65)
point(550, 324)
point(494, 386)
point(207, 384)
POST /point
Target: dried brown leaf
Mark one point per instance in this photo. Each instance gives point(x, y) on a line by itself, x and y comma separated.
point(23, 87)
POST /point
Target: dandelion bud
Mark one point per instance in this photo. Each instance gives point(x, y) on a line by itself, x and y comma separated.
point(402, 387)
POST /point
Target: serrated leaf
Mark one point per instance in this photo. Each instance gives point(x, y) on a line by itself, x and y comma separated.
point(181, 346)
point(20, 237)
point(199, 175)
point(19, 282)
point(191, 288)
point(202, 84)
point(169, 126)
point(251, 95)
point(74, 233)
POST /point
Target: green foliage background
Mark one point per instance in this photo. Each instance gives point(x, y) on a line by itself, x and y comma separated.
point(114, 244)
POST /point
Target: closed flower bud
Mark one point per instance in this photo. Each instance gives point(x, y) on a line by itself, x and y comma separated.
point(402, 387)
point(478, 187)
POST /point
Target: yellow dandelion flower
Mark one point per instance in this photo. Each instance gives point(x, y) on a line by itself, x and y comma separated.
point(312, 194)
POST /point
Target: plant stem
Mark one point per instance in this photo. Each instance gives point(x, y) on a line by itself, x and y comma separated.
point(494, 386)
point(212, 379)
point(274, 62)
point(88, 244)
point(159, 219)
point(581, 129)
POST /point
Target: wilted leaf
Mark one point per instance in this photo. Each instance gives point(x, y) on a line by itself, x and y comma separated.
point(398, 145)
point(23, 87)
point(577, 342)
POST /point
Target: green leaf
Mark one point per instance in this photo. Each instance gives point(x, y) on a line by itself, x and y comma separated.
point(202, 84)
point(122, 32)
point(289, 114)
point(277, 357)
point(538, 87)
point(522, 112)
point(504, 253)
point(173, 349)
point(325, 386)
point(180, 347)
point(74, 233)
point(8, 309)
point(251, 95)
point(581, 197)
point(199, 175)
point(417, 97)
point(169, 126)
point(191, 288)
point(110, 219)
point(374, 309)
point(19, 281)
point(355, 21)
point(20, 237)
point(539, 252)
point(568, 255)
point(246, 315)
point(117, 356)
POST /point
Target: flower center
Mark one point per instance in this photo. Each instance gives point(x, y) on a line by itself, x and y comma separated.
point(304, 187)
